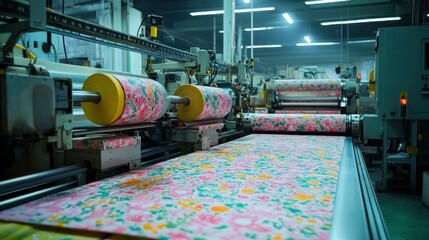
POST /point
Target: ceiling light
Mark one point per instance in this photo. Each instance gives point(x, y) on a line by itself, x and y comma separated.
point(307, 39)
point(317, 44)
point(258, 29)
point(265, 46)
point(361, 21)
point(323, 1)
point(246, 1)
point(362, 41)
point(287, 18)
point(244, 10)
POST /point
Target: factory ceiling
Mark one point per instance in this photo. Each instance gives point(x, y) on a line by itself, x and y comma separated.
point(182, 30)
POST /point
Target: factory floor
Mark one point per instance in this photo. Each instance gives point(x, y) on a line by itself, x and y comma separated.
point(405, 216)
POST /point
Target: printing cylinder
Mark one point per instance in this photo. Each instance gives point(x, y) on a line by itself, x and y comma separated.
point(124, 99)
point(311, 87)
point(322, 123)
point(204, 103)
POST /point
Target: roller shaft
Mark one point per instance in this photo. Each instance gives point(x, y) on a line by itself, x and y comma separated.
point(178, 99)
point(85, 96)
point(308, 104)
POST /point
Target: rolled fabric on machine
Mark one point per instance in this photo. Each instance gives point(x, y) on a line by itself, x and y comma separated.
point(124, 99)
point(310, 87)
point(308, 111)
point(204, 103)
point(324, 123)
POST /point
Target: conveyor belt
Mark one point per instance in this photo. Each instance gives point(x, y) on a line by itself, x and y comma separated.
point(265, 186)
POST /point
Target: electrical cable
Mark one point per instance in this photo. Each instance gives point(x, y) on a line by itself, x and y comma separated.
point(141, 24)
point(64, 41)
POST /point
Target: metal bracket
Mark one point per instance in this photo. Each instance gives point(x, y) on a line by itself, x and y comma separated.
point(36, 21)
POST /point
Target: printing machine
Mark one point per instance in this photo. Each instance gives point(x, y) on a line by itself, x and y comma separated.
point(28, 133)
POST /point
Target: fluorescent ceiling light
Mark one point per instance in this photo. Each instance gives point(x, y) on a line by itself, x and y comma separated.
point(307, 39)
point(317, 44)
point(287, 18)
point(361, 21)
point(307, 44)
point(258, 29)
point(265, 46)
point(323, 1)
point(427, 15)
point(244, 10)
point(246, 1)
point(362, 41)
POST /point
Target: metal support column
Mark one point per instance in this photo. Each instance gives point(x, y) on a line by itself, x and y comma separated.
point(229, 30)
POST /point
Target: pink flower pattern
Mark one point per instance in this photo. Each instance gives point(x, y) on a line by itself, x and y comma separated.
point(318, 87)
point(104, 143)
point(333, 123)
point(265, 186)
point(145, 100)
point(217, 103)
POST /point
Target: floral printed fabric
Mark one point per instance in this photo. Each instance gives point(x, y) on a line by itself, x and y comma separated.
point(257, 187)
point(314, 87)
point(305, 111)
point(217, 103)
point(205, 127)
point(104, 143)
point(299, 122)
point(144, 100)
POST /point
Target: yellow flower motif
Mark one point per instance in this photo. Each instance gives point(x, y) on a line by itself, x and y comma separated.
point(153, 207)
point(247, 190)
point(277, 237)
point(98, 221)
point(303, 197)
point(223, 188)
point(175, 164)
point(149, 227)
point(313, 221)
point(219, 209)
point(161, 225)
point(305, 116)
point(166, 171)
point(150, 90)
point(206, 166)
point(298, 219)
point(264, 176)
point(321, 154)
point(313, 182)
point(101, 200)
point(54, 217)
point(332, 173)
point(241, 175)
point(183, 204)
point(60, 224)
point(131, 182)
point(231, 156)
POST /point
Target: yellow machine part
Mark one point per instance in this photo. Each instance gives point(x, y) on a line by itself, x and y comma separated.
point(371, 84)
point(112, 103)
point(153, 32)
point(196, 104)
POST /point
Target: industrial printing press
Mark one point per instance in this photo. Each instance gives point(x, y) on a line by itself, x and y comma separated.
point(95, 153)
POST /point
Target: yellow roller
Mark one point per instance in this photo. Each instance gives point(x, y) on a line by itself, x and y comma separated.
point(112, 102)
point(196, 104)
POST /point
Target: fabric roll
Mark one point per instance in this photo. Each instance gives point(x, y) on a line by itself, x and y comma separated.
point(305, 111)
point(205, 103)
point(124, 100)
point(326, 123)
point(308, 87)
